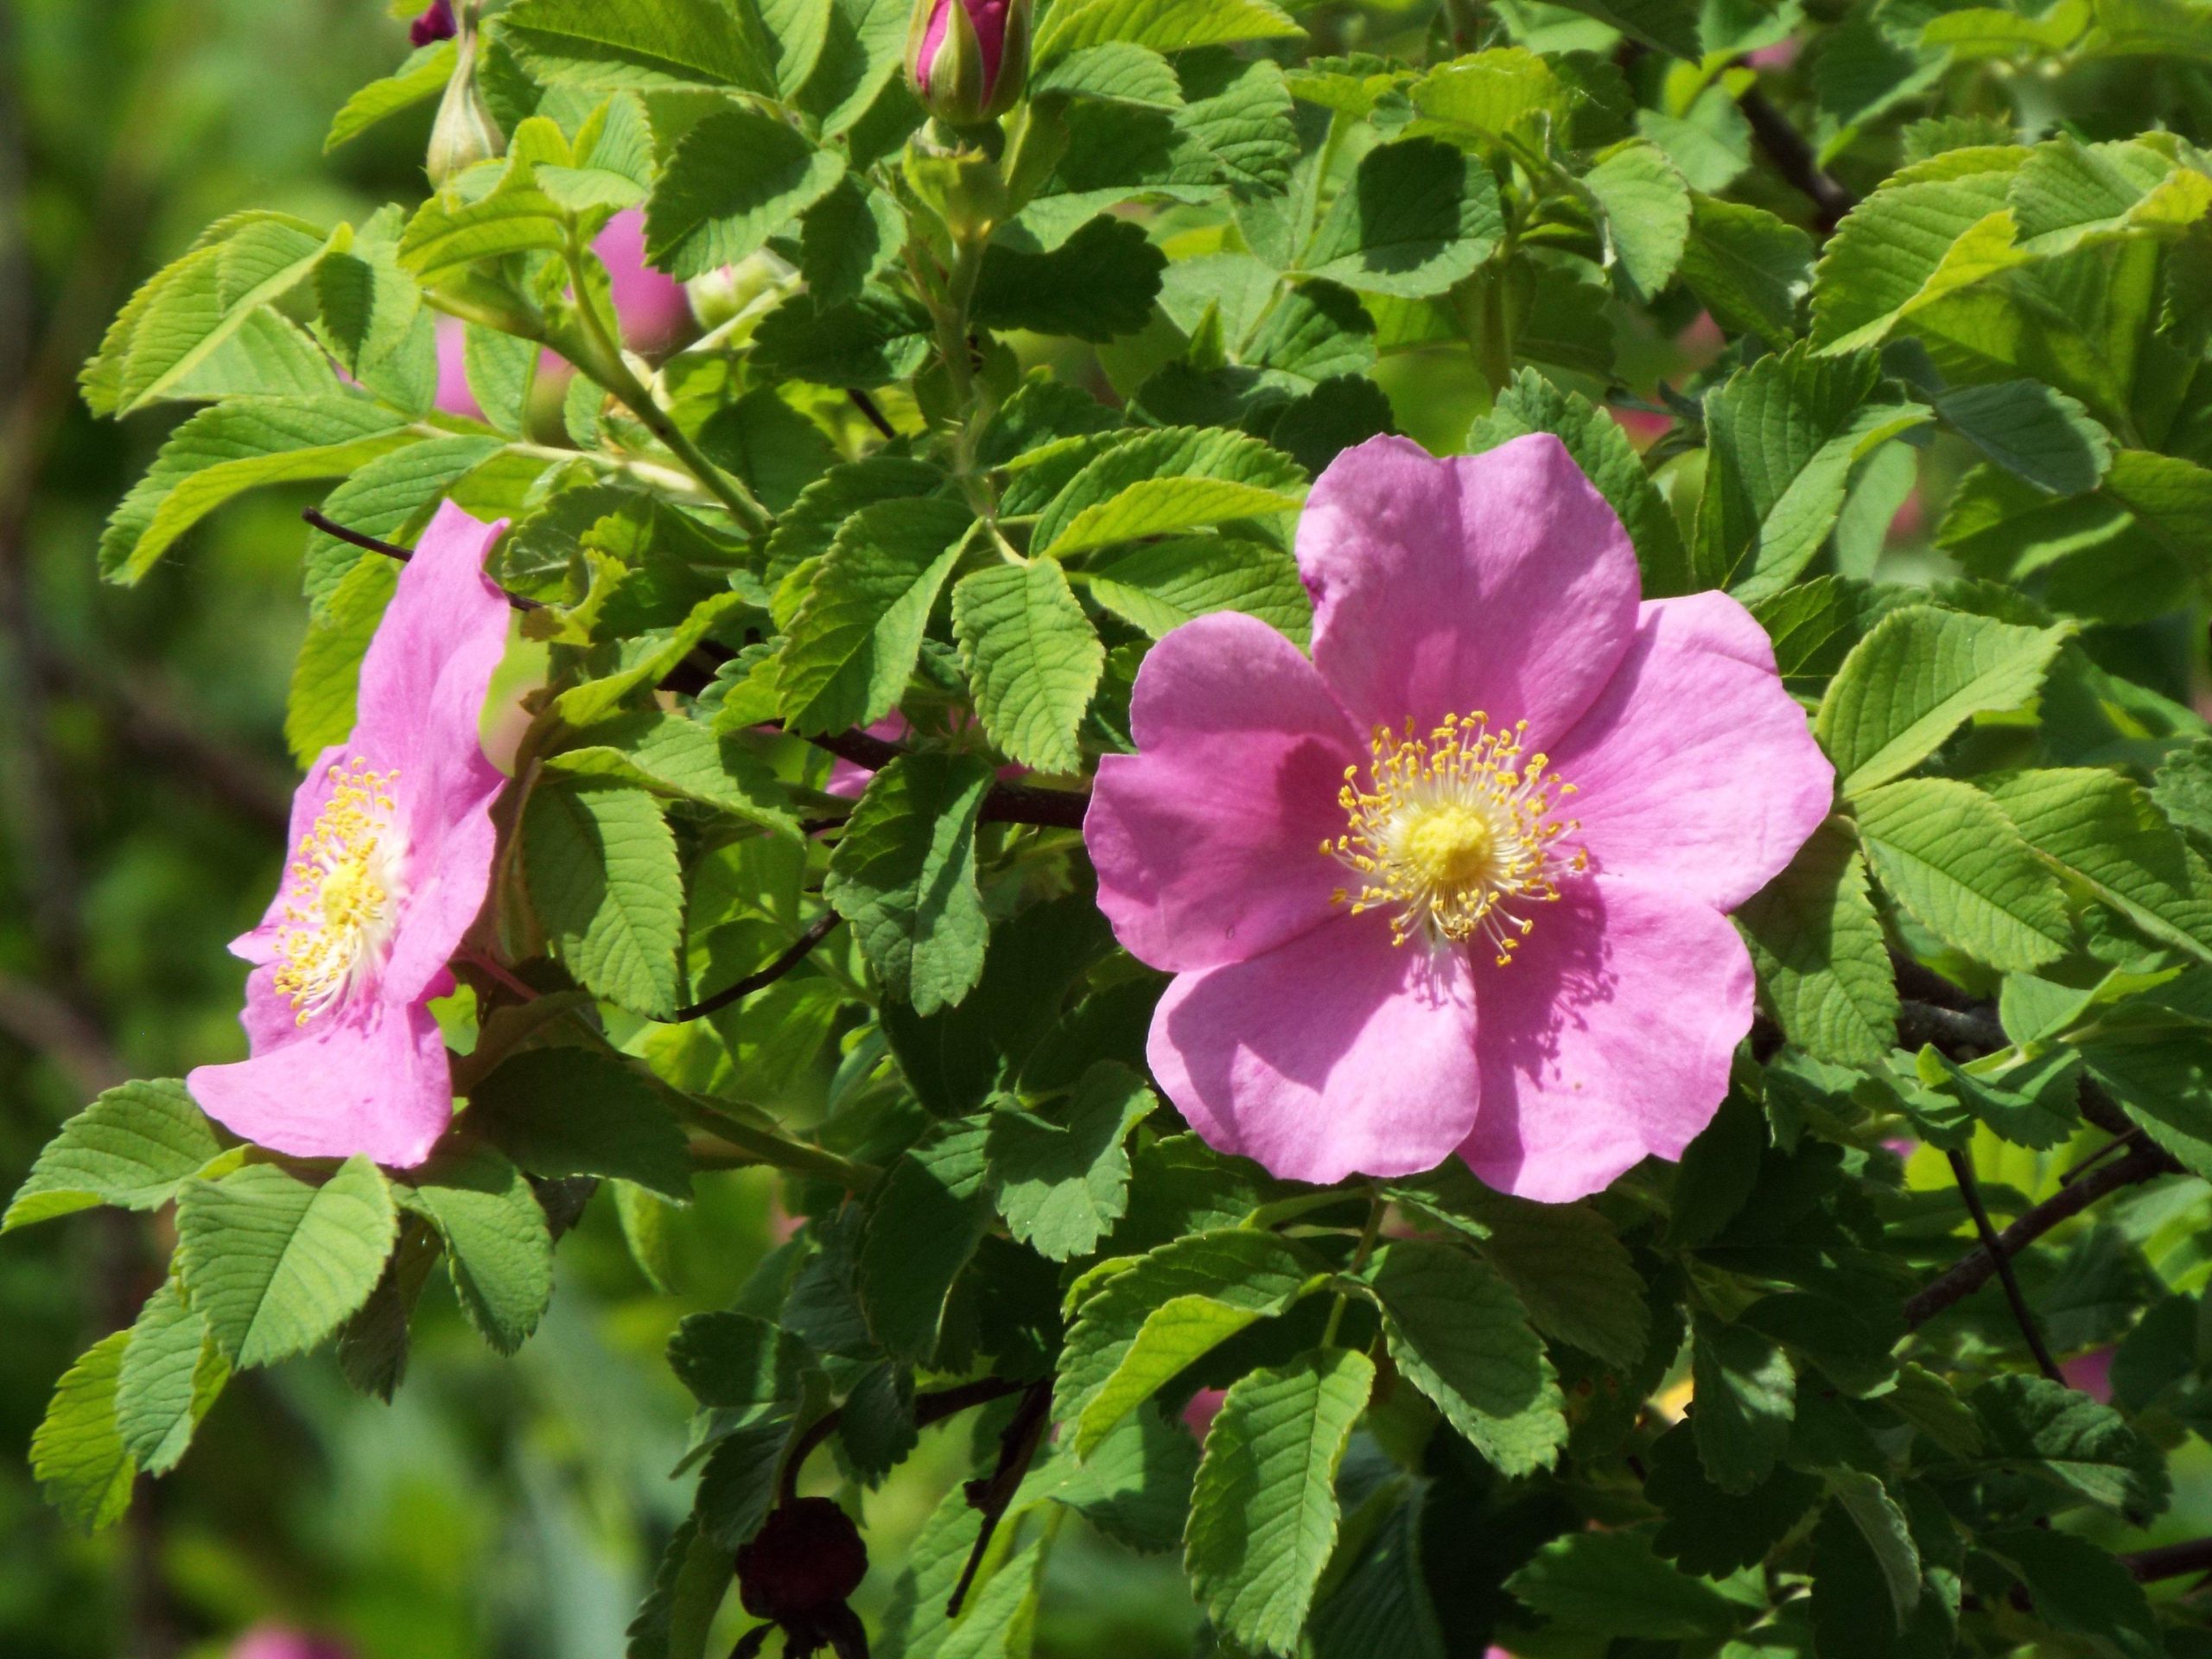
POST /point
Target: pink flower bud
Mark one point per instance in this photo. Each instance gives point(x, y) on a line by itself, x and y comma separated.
point(968, 61)
point(436, 23)
point(280, 1641)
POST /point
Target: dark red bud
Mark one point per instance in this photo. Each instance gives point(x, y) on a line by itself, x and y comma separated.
point(434, 24)
point(807, 1557)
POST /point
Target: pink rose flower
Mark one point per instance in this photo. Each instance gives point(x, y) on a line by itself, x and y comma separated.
point(988, 17)
point(967, 60)
point(393, 843)
point(651, 305)
point(280, 1641)
point(2091, 1373)
point(1205, 1405)
point(453, 396)
point(1391, 940)
point(850, 778)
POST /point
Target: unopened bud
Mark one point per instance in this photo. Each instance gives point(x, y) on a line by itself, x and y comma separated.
point(465, 132)
point(436, 23)
point(968, 61)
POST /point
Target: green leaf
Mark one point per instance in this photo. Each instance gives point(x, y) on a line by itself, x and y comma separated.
point(1710, 1532)
point(2080, 1588)
point(391, 498)
point(274, 1264)
point(607, 45)
point(2063, 1437)
point(1100, 283)
point(2068, 195)
point(570, 1111)
point(1746, 1397)
point(372, 1344)
point(1642, 211)
point(737, 1485)
point(1118, 71)
point(904, 876)
point(1931, 230)
point(924, 1223)
point(878, 337)
point(1947, 854)
point(1458, 1333)
point(452, 232)
point(1165, 25)
point(736, 179)
point(1061, 1171)
point(1601, 449)
point(78, 1453)
point(2028, 429)
point(1784, 435)
point(1849, 1591)
point(851, 236)
point(496, 1244)
point(1103, 1376)
point(2100, 828)
point(1918, 675)
point(688, 1589)
point(1751, 268)
point(1159, 586)
point(1670, 26)
point(671, 755)
point(854, 639)
point(1136, 1486)
point(1609, 1583)
point(607, 887)
point(735, 1363)
point(1417, 217)
point(326, 677)
point(1882, 1524)
point(1263, 1513)
point(224, 451)
point(129, 1147)
point(1176, 478)
point(422, 77)
point(171, 1373)
point(1823, 967)
point(1033, 659)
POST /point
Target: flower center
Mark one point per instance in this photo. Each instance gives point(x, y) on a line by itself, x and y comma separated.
point(1453, 833)
point(342, 894)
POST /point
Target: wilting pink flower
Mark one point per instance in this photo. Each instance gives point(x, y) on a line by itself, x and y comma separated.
point(651, 304)
point(280, 1641)
point(1460, 882)
point(392, 845)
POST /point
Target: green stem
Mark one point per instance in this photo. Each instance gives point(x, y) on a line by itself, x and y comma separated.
point(800, 1157)
point(1367, 1237)
point(598, 354)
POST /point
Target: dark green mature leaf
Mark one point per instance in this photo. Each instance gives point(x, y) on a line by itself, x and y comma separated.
point(1460, 1335)
point(129, 1147)
point(1851, 1595)
point(1711, 1532)
point(573, 1111)
point(604, 45)
point(1609, 1583)
point(881, 337)
point(689, 1588)
point(1417, 217)
point(1752, 268)
point(1948, 853)
point(1882, 1524)
point(1032, 658)
point(275, 1264)
point(78, 1453)
point(904, 876)
point(2079, 1588)
point(604, 879)
point(498, 1246)
point(1100, 282)
point(2062, 1436)
point(1817, 943)
point(2031, 1103)
point(737, 1484)
point(2104, 830)
point(1746, 1396)
point(2030, 429)
point(1263, 1513)
point(923, 1224)
point(1060, 1171)
point(736, 179)
point(735, 1363)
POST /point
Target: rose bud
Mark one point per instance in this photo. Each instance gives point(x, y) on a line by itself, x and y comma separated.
point(968, 61)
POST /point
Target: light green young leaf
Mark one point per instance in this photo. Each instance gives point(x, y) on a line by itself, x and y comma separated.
point(1159, 586)
point(326, 675)
point(2101, 828)
point(1947, 854)
point(1823, 967)
point(78, 1453)
point(904, 876)
point(1117, 72)
point(1165, 25)
point(1263, 1513)
point(1751, 268)
point(498, 1246)
point(673, 756)
point(1461, 1336)
point(1032, 658)
point(1417, 217)
point(736, 178)
point(854, 638)
point(274, 1264)
point(2068, 195)
point(608, 45)
point(1178, 478)
point(1931, 230)
point(1919, 674)
point(129, 1147)
point(604, 880)
point(1643, 209)
point(172, 1372)
point(422, 77)
point(391, 498)
point(1061, 1171)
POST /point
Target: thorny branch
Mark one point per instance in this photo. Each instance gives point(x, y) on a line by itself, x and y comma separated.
point(800, 949)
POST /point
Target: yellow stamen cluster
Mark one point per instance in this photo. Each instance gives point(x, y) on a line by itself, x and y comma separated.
point(342, 892)
point(1452, 833)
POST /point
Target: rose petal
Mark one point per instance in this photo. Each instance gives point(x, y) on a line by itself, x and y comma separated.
point(1499, 583)
point(1336, 1052)
point(1696, 772)
point(373, 1079)
point(1608, 1039)
point(1208, 840)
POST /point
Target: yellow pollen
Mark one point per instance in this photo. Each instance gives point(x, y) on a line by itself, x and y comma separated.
point(341, 893)
point(1453, 833)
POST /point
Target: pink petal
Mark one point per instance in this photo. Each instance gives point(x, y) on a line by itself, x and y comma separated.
point(373, 1079)
point(1697, 773)
point(1338, 1052)
point(454, 394)
point(1208, 840)
point(258, 946)
point(651, 305)
point(1500, 583)
point(1608, 1039)
point(848, 778)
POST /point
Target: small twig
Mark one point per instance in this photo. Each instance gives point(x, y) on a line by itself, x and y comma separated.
point(1970, 1275)
point(390, 550)
point(2126, 1142)
point(1962, 1172)
point(867, 406)
point(800, 949)
point(2169, 1560)
point(989, 1496)
point(1949, 1029)
point(929, 1408)
point(1794, 158)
